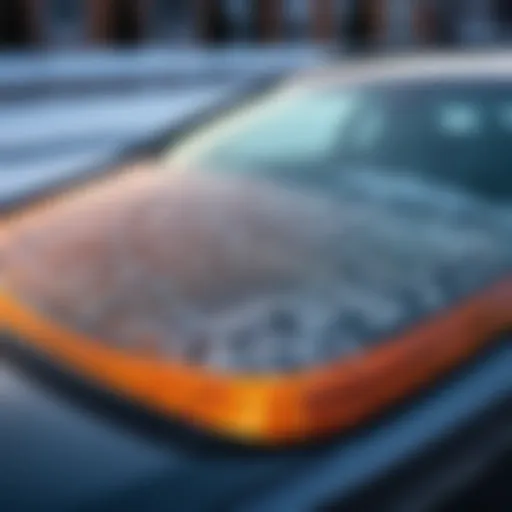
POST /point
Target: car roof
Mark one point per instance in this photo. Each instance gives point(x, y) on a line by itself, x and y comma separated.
point(417, 67)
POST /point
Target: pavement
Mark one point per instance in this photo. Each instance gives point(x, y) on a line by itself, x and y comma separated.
point(67, 113)
point(24, 70)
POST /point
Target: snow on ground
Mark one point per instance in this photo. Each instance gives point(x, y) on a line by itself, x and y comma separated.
point(50, 137)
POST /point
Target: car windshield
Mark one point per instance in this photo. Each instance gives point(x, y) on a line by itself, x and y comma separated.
point(456, 133)
point(282, 131)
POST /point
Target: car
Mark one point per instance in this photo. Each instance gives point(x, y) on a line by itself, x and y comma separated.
point(304, 302)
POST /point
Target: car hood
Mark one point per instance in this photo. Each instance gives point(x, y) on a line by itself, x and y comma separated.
point(189, 263)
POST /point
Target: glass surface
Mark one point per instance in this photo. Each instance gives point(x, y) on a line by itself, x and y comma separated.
point(456, 133)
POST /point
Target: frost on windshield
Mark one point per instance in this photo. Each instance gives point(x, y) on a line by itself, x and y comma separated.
point(250, 275)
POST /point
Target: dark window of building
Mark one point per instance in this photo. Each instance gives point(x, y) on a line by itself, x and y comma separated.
point(16, 29)
point(503, 11)
point(124, 26)
point(220, 28)
point(232, 20)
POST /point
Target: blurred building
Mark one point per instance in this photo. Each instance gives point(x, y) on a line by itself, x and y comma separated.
point(391, 22)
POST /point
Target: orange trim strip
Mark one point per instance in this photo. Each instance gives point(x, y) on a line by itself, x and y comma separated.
point(279, 409)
